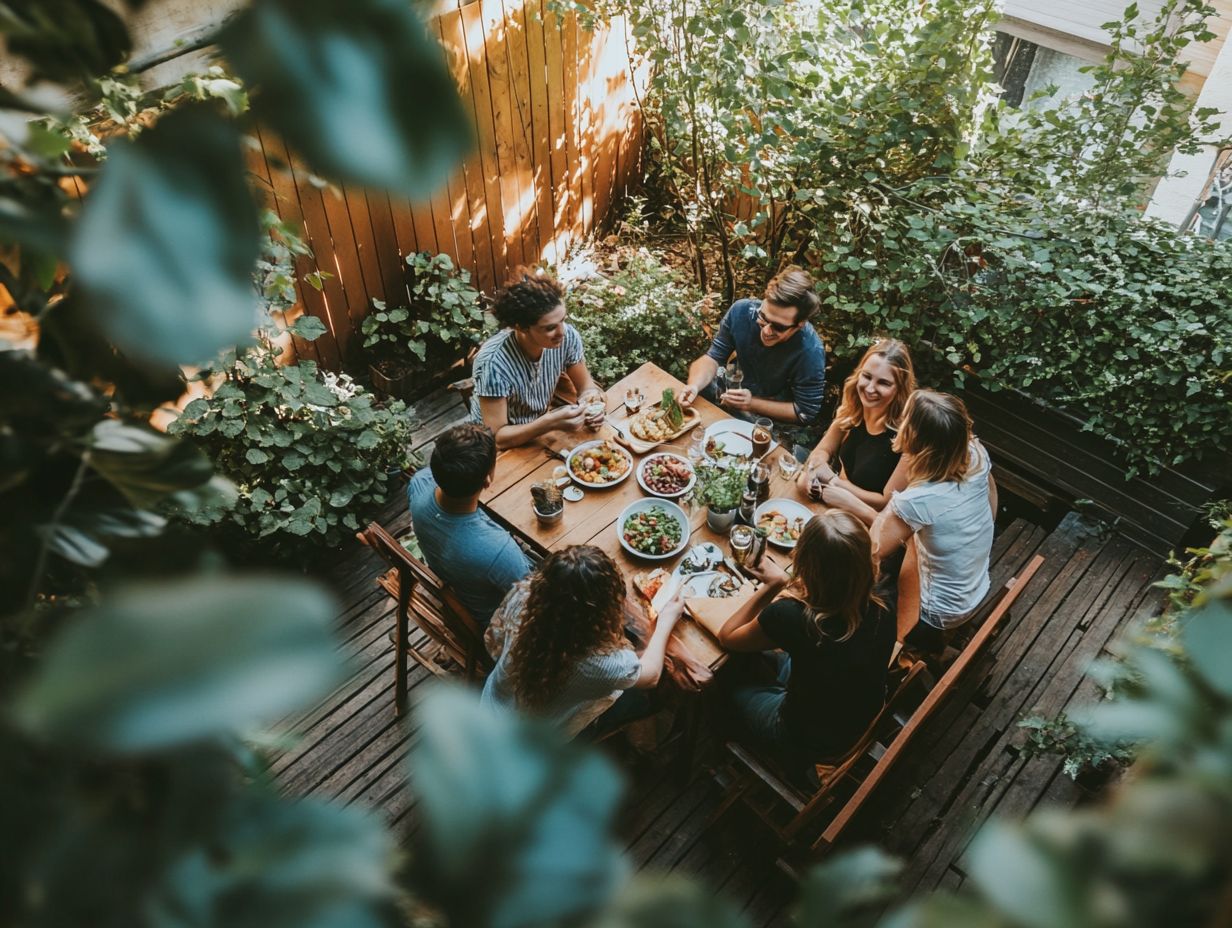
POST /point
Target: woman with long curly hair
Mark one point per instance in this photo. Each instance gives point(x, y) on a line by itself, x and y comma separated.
point(834, 625)
point(860, 439)
point(517, 369)
point(564, 654)
point(945, 517)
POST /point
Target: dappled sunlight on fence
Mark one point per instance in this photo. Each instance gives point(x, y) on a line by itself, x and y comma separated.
point(558, 138)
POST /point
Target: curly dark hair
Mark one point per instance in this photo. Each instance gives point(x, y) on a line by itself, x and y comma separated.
point(527, 297)
point(575, 609)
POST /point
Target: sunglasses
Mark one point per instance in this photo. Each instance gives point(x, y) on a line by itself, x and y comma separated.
point(776, 326)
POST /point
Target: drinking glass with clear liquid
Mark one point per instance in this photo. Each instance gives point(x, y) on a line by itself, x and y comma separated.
point(741, 540)
point(735, 375)
point(789, 466)
point(696, 450)
point(759, 479)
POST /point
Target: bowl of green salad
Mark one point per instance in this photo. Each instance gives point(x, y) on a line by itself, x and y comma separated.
point(654, 529)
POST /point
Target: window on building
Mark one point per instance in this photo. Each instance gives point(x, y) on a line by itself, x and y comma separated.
point(1023, 68)
point(1211, 217)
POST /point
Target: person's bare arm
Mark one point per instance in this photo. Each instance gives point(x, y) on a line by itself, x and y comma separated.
point(701, 372)
point(495, 412)
point(889, 533)
point(579, 376)
point(875, 501)
point(652, 658)
point(742, 632)
point(992, 495)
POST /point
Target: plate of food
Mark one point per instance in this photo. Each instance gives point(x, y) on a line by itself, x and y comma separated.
point(666, 420)
point(783, 520)
point(729, 438)
point(598, 464)
point(655, 529)
point(666, 475)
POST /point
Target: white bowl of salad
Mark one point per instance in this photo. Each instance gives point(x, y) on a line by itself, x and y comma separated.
point(654, 529)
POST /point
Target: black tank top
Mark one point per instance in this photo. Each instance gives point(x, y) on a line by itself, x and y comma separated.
point(867, 459)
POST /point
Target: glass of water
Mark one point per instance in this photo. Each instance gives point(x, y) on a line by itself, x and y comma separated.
point(696, 450)
point(788, 465)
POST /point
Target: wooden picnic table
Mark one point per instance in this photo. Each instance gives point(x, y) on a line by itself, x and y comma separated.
point(592, 519)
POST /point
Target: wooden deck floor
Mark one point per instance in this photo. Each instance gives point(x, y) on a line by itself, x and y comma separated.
point(965, 765)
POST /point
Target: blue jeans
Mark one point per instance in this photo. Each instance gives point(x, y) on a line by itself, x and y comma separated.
point(758, 707)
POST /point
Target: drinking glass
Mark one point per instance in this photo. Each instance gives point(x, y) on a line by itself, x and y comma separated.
point(696, 450)
point(735, 375)
point(741, 539)
point(761, 436)
point(789, 466)
point(759, 477)
point(595, 404)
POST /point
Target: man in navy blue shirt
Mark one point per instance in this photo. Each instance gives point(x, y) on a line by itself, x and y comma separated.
point(782, 356)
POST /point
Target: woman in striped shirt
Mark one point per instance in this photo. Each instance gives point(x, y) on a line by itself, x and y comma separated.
point(517, 369)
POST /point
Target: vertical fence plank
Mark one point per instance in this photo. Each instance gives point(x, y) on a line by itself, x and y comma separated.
point(487, 212)
point(558, 139)
point(511, 216)
point(552, 27)
point(541, 140)
point(275, 199)
point(573, 110)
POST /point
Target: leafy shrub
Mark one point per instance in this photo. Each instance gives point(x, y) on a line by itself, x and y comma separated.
point(443, 320)
point(865, 148)
point(644, 311)
point(309, 451)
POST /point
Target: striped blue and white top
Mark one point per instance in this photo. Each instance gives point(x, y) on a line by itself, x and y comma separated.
point(502, 370)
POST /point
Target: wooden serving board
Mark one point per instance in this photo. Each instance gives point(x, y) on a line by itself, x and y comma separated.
point(692, 419)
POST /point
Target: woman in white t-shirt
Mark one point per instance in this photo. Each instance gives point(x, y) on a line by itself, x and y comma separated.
point(945, 517)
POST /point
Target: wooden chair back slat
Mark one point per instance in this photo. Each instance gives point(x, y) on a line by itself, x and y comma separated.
point(1012, 590)
point(807, 806)
point(422, 595)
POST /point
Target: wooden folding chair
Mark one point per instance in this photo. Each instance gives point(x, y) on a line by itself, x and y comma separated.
point(752, 769)
point(1001, 609)
point(437, 611)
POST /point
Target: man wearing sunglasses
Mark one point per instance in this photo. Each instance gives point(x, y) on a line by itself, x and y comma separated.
point(782, 356)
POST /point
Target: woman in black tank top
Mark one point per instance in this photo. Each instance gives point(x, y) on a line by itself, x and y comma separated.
point(853, 467)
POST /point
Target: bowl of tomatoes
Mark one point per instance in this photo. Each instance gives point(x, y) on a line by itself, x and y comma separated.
point(598, 464)
point(666, 475)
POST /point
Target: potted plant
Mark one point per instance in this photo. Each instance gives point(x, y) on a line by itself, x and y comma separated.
point(407, 345)
point(719, 489)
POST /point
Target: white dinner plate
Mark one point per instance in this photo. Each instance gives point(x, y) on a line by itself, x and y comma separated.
point(736, 436)
point(789, 508)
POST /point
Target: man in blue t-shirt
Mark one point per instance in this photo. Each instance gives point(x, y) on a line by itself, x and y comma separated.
point(475, 557)
point(781, 355)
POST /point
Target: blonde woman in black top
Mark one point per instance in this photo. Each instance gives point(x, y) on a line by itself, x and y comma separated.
point(854, 466)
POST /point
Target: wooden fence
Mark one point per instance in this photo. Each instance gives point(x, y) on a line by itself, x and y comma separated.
point(558, 134)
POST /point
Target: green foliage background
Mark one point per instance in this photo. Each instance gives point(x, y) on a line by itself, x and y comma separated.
point(643, 311)
point(865, 141)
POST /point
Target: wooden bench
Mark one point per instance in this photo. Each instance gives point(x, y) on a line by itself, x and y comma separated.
point(1043, 455)
point(884, 742)
point(437, 612)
